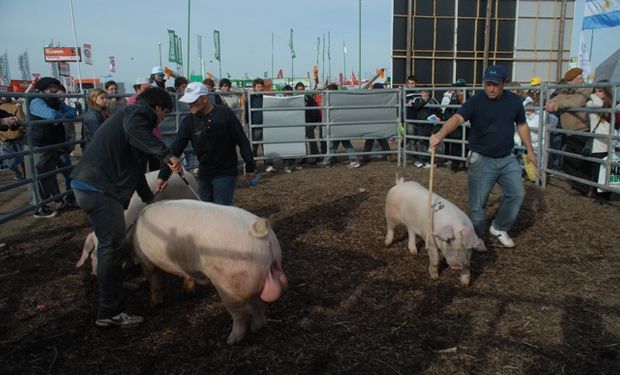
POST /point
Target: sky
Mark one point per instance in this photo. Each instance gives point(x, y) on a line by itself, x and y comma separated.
point(131, 29)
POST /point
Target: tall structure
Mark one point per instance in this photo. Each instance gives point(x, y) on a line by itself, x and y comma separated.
point(442, 40)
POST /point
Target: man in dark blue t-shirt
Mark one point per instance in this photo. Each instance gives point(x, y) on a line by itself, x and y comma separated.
point(493, 114)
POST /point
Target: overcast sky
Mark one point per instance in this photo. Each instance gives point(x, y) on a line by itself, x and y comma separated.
point(131, 29)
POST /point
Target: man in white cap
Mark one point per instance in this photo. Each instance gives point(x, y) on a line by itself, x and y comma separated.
point(493, 114)
point(140, 85)
point(215, 133)
point(158, 77)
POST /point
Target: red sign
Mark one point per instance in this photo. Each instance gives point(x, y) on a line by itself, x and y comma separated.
point(67, 54)
point(17, 85)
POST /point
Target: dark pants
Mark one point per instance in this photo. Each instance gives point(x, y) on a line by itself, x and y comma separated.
point(45, 161)
point(456, 149)
point(421, 145)
point(218, 189)
point(385, 146)
point(106, 217)
point(314, 148)
point(576, 167)
point(257, 135)
point(64, 160)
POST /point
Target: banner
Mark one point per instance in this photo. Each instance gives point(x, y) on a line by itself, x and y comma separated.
point(600, 14)
point(24, 66)
point(5, 77)
point(216, 42)
point(290, 44)
point(87, 55)
point(179, 51)
point(199, 41)
point(172, 46)
point(112, 64)
point(68, 54)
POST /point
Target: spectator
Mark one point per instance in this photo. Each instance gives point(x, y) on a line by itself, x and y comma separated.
point(64, 156)
point(333, 146)
point(312, 116)
point(96, 114)
point(105, 178)
point(600, 124)
point(13, 137)
point(215, 132)
point(568, 98)
point(424, 113)
point(256, 118)
point(140, 85)
point(180, 84)
point(493, 114)
point(455, 97)
point(410, 114)
point(115, 103)
point(157, 78)
point(47, 108)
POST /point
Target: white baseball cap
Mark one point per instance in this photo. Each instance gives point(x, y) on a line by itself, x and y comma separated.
point(193, 91)
point(157, 70)
point(141, 81)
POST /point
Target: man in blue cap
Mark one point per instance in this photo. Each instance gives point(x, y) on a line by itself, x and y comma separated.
point(493, 114)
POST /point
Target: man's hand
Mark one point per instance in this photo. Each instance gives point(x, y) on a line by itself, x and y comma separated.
point(435, 140)
point(531, 156)
point(161, 184)
point(9, 121)
point(551, 107)
point(175, 165)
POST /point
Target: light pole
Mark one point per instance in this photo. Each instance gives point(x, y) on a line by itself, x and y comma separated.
point(159, 45)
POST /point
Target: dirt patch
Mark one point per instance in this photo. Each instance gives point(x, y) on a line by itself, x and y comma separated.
point(552, 305)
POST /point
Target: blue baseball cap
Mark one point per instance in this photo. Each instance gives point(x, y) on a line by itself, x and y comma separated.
point(494, 73)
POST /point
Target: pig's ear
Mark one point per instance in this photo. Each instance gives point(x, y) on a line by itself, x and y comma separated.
point(445, 233)
point(259, 228)
point(471, 241)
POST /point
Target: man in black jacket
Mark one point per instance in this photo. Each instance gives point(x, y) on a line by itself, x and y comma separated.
point(104, 180)
point(215, 133)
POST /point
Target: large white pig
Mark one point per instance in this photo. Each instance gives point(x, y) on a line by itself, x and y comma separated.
point(453, 234)
point(177, 189)
point(233, 249)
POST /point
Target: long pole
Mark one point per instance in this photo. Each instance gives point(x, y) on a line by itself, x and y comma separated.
point(75, 44)
point(359, 57)
point(344, 58)
point(189, 11)
point(429, 228)
point(487, 35)
point(329, 58)
point(272, 60)
point(159, 45)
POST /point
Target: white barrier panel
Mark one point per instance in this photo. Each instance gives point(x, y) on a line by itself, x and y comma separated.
point(614, 176)
point(386, 118)
point(283, 133)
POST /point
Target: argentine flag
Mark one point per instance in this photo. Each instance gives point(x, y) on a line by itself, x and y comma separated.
point(599, 14)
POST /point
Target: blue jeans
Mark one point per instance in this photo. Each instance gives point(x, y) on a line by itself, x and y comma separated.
point(333, 147)
point(483, 173)
point(64, 160)
point(218, 189)
point(106, 216)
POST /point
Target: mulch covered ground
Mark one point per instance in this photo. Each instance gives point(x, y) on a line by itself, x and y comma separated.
point(549, 306)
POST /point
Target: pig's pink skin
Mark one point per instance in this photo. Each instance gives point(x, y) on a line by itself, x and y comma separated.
point(453, 235)
point(234, 249)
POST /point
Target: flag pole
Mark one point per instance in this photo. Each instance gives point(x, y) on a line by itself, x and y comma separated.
point(272, 46)
point(189, 10)
point(75, 44)
point(359, 68)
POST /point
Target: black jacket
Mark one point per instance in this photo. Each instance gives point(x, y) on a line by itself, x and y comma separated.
point(214, 138)
point(116, 157)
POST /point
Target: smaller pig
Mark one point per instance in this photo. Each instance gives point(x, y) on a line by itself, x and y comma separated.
point(453, 234)
point(227, 246)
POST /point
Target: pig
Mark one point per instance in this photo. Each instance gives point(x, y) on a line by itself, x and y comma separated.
point(177, 189)
point(227, 246)
point(453, 234)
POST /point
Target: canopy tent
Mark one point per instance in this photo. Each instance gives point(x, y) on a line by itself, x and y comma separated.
point(609, 69)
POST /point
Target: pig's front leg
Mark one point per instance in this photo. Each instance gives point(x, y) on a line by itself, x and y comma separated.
point(155, 280)
point(412, 242)
point(433, 267)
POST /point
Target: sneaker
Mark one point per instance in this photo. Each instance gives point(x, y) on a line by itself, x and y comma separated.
point(502, 237)
point(120, 320)
point(287, 170)
point(353, 164)
point(323, 164)
point(418, 164)
point(426, 165)
point(298, 168)
point(270, 169)
point(45, 212)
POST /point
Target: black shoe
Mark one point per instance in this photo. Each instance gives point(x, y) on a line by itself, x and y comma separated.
point(45, 212)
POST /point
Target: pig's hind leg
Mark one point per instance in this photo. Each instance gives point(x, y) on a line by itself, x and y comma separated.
point(411, 244)
point(258, 314)
point(240, 312)
point(155, 279)
point(392, 220)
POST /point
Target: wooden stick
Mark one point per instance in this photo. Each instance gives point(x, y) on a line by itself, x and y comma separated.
point(429, 228)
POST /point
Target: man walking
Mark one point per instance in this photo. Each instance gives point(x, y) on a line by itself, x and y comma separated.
point(104, 180)
point(493, 114)
point(215, 132)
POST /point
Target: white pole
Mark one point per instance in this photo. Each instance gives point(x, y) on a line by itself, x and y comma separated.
point(75, 44)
